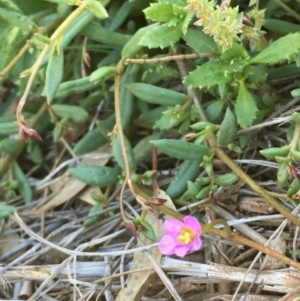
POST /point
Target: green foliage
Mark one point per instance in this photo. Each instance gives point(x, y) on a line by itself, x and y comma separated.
point(181, 149)
point(228, 129)
point(228, 84)
point(95, 175)
point(245, 107)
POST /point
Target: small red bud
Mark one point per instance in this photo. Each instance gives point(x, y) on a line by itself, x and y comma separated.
point(293, 171)
point(158, 201)
point(130, 227)
point(25, 132)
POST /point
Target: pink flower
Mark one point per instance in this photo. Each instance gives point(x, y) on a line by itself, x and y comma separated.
point(181, 237)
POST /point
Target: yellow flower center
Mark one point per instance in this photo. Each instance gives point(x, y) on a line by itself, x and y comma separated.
point(186, 236)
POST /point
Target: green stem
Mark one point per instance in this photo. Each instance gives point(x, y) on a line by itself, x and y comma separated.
point(35, 68)
point(208, 227)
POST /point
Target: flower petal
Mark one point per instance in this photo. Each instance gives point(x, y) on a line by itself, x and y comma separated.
point(167, 245)
point(196, 244)
point(192, 223)
point(182, 250)
point(173, 226)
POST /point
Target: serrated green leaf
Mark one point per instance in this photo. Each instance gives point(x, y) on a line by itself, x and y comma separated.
point(23, 184)
point(282, 49)
point(186, 22)
point(54, 73)
point(207, 75)
point(156, 95)
point(162, 36)
point(159, 12)
point(101, 176)
point(181, 149)
point(236, 51)
point(228, 129)
point(74, 113)
point(199, 41)
point(245, 107)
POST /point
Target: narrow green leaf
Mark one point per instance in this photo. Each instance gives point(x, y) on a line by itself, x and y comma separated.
point(99, 33)
point(17, 19)
point(54, 73)
point(188, 171)
point(282, 175)
point(92, 220)
point(117, 151)
point(284, 48)
point(74, 113)
point(90, 142)
point(9, 128)
point(103, 73)
point(35, 152)
point(156, 95)
point(101, 176)
point(147, 230)
point(228, 129)
point(162, 36)
point(281, 27)
point(181, 149)
point(227, 179)
point(74, 87)
point(272, 152)
point(245, 107)
point(294, 187)
point(23, 184)
point(11, 146)
point(126, 96)
point(97, 9)
point(121, 16)
point(142, 151)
